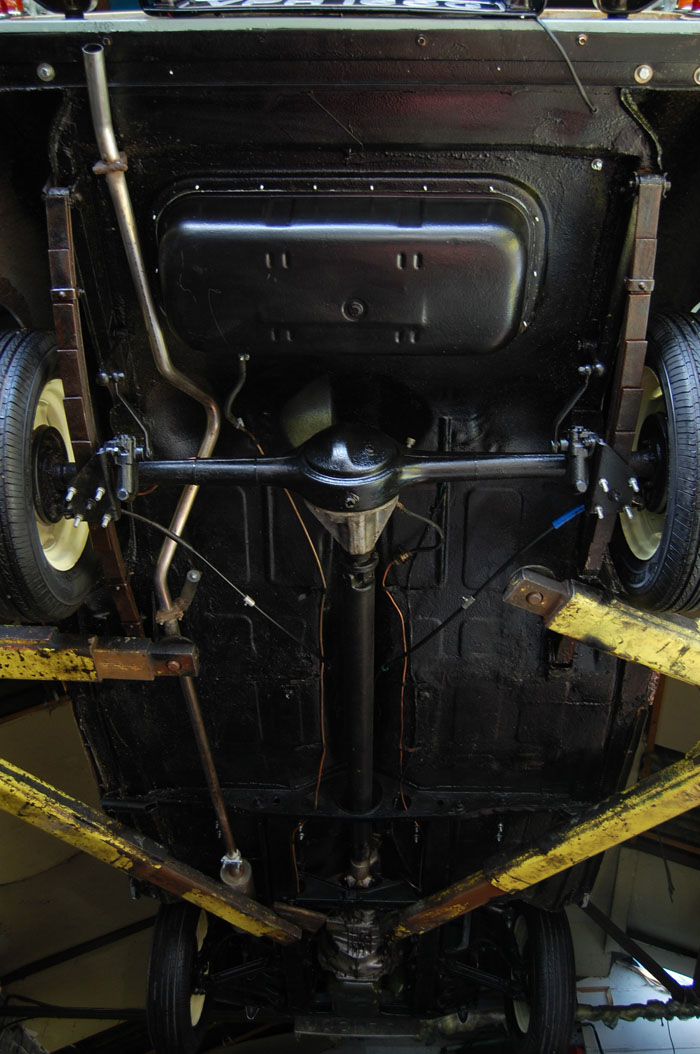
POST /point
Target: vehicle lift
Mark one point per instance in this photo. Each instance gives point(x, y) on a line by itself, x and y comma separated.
point(669, 644)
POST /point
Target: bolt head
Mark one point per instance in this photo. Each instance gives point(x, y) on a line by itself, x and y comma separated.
point(643, 74)
point(351, 500)
point(597, 164)
point(354, 309)
point(421, 41)
point(535, 599)
point(174, 665)
point(582, 39)
point(45, 72)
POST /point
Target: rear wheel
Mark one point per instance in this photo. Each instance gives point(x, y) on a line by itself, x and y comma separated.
point(176, 1006)
point(46, 565)
point(656, 554)
point(541, 1022)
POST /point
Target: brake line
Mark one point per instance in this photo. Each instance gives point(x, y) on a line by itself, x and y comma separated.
point(470, 598)
point(562, 51)
point(245, 597)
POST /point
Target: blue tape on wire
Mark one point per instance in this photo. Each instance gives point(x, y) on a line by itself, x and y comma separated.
point(556, 524)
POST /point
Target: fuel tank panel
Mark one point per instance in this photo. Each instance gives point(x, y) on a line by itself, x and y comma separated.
point(327, 273)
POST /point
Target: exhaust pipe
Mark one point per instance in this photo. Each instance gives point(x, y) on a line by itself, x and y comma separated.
point(113, 166)
point(235, 870)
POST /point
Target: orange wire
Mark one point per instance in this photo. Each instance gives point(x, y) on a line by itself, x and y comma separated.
point(294, 853)
point(403, 679)
point(322, 694)
point(321, 648)
point(143, 493)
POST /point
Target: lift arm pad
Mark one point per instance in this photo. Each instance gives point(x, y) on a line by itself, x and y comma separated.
point(41, 653)
point(667, 643)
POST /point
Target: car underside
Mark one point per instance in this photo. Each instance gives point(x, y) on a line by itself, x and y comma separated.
point(319, 327)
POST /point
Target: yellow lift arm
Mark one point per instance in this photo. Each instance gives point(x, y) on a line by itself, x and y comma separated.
point(78, 824)
point(669, 644)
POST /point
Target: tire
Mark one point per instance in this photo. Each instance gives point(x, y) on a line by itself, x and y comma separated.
point(176, 1007)
point(542, 1022)
point(47, 568)
point(657, 554)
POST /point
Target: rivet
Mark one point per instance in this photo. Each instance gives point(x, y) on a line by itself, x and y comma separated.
point(582, 39)
point(597, 164)
point(643, 74)
point(421, 41)
point(696, 75)
point(173, 665)
point(45, 71)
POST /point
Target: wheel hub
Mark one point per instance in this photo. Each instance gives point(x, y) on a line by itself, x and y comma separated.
point(49, 455)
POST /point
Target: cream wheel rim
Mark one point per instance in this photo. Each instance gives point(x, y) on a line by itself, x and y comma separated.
point(197, 999)
point(643, 532)
point(61, 543)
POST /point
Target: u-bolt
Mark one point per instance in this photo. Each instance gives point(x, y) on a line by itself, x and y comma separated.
point(113, 167)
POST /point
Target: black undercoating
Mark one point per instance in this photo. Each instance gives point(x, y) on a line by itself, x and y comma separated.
point(507, 728)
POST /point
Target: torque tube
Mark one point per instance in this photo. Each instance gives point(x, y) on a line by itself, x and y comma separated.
point(358, 678)
point(358, 605)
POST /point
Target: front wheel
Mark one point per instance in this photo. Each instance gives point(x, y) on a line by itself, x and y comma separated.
point(542, 1021)
point(176, 1006)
